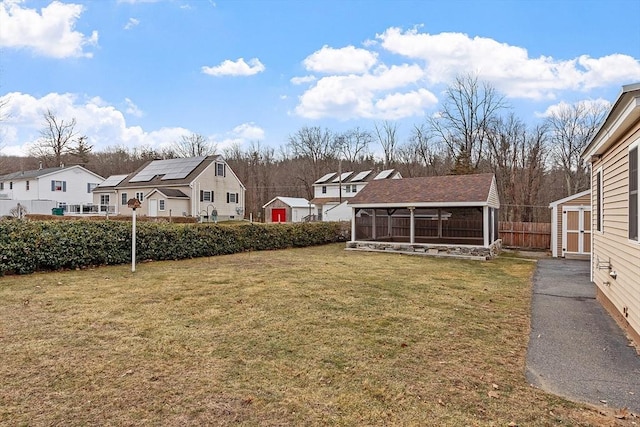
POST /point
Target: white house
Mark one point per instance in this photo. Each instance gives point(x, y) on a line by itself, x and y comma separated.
point(41, 189)
point(332, 191)
point(288, 209)
point(203, 187)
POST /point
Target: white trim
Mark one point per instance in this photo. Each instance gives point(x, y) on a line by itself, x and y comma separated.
point(581, 230)
point(421, 205)
point(554, 231)
point(634, 145)
point(485, 226)
point(569, 198)
point(600, 193)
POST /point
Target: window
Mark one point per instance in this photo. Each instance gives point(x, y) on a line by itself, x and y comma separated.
point(324, 189)
point(91, 186)
point(347, 189)
point(599, 200)
point(161, 204)
point(633, 193)
point(1, 185)
point(220, 169)
point(124, 199)
point(140, 196)
point(104, 203)
point(27, 185)
point(354, 188)
point(58, 185)
point(206, 196)
point(232, 197)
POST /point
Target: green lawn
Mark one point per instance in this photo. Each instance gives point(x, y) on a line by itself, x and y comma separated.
point(314, 336)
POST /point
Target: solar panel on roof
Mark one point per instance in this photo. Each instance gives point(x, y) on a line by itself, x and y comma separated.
point(342, 176)
point(325, 178)
point(384, 174)
point(170, 169)
point(112, 181)
point(360, 176)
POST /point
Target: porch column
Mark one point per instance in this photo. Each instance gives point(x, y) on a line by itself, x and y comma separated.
point(353, 224)
point(485, 225)
point(373, 226)
point(412, 226)
point(439, 223)
point(388, 224)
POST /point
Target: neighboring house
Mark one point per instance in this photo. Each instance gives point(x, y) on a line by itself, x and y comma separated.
point(66, 187)
point(332, 191)
point(571, 226)
point(439, 215)
point(203, 187)
point(614, 153)
point(288, 209)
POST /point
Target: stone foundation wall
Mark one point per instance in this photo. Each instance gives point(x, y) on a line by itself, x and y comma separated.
point(454, 251)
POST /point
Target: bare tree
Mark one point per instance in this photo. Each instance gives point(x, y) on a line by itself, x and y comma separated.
point(55, 140)
point(194, 145)
point(316, 148)
point(571, 128)
point(354, 144)
point(469, 110)
point(386, 135)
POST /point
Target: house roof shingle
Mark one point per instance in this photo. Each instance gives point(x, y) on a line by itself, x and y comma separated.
point(454, 189)
point(30, 174)
point(157, 180)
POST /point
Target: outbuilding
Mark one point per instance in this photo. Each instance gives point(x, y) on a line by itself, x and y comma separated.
point(454, 215)
point(288, 209)
point(571, 226)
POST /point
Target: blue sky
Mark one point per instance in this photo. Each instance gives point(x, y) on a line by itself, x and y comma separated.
point(145, 72)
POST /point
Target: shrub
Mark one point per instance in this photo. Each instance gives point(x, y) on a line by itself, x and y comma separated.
point(28, 246)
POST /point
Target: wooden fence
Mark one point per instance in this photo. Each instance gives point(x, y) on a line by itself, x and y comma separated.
point(526, 235)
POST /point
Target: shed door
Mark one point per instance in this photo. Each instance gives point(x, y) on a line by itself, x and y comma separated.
point(576, 231)
point(279, 215)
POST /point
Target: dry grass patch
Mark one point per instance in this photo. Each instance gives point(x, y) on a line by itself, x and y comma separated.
point(314, 336)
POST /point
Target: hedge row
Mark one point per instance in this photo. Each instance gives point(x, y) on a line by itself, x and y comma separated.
point(28, 246)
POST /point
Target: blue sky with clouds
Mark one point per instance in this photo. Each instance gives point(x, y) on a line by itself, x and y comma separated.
point(145, 72)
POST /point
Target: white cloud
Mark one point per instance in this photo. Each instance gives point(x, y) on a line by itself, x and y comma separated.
point(133, 22)
point(508, 68)
point(103, 124)
point(303, 80)
point(367, 96)
point(132, 109)
point(49, 33)
point(249, 131)
point(341, 61)
point(587, 104)
point(237, 68)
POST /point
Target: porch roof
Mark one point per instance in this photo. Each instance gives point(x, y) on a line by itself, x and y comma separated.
point(432, 191)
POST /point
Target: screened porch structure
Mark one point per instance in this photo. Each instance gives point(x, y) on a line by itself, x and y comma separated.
point(452, 210)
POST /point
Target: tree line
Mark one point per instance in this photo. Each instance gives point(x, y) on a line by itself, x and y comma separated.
point(474, 131)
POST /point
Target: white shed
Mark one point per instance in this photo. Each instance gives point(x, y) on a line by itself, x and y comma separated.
point(571, 226)
point(288, 209)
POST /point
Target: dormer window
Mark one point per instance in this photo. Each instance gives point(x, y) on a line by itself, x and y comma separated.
point(220, 169)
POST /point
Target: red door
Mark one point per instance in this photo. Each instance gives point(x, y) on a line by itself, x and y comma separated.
point(278, 215)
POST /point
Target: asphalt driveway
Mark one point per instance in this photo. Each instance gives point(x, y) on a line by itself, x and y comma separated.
point(576, 350)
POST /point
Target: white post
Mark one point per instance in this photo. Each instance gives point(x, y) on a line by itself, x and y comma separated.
point(353, 224)
point(412, 226)
point(133, 242)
